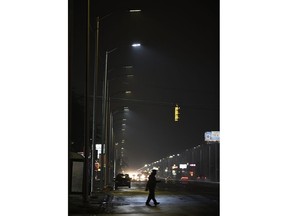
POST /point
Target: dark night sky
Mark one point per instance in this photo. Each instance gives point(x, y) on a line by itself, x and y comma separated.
point(178, 62)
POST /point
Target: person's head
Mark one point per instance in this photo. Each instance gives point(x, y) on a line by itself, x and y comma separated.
point(154, 172)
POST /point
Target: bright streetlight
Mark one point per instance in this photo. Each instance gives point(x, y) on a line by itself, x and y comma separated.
point(136, 45)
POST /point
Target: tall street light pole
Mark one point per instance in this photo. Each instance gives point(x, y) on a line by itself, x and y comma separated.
point(109, 136)
point(105, 116)
point(86, 137)
point(94, 106)
point(104, 120)
point(114, 154)
point(104, 101)
point(94, 127)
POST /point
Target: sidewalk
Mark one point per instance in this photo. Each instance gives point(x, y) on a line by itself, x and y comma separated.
point(100, 202)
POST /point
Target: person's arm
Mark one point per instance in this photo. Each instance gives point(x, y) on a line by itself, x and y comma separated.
point(147, 186)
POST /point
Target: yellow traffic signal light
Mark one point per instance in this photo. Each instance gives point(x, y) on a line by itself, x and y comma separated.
point(177, 113)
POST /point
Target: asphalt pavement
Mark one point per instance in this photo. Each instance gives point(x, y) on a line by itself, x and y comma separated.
point(100, 202)
point(132, 201)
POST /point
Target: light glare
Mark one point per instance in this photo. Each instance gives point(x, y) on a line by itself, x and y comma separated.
point(136, 45)
point(134, 10)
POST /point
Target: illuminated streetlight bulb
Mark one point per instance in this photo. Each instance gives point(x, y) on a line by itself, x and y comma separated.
point(134, 10)
point(128, 67)
point(136, 45)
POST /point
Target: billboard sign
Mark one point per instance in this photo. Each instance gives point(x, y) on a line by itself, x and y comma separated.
point(183, 166)
point(213, 136)
point(98, 148)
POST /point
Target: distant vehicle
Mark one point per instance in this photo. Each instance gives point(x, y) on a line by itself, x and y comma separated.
point(201, 178)
point(184, 180)
point(122, 180)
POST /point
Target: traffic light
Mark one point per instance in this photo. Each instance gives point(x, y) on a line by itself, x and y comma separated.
point(177, 113)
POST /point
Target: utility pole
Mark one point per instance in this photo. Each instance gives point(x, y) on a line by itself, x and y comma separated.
point(87, 131)
point(94, 127)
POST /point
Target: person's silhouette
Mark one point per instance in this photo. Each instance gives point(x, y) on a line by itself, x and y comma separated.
point(151, 185)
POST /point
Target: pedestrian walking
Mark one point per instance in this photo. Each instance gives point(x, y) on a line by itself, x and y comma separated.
point(151, 185)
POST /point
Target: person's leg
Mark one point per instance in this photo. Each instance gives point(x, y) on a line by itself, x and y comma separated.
point(149, 198)
point(153, 198)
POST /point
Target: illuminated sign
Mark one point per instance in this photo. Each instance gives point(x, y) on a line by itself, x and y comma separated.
point(215, 134)
point(174, 167)
point(183, 166)
point(212, 136)
point(98, 148)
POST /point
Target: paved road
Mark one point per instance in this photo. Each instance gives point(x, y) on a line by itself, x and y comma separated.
point(172, 203)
